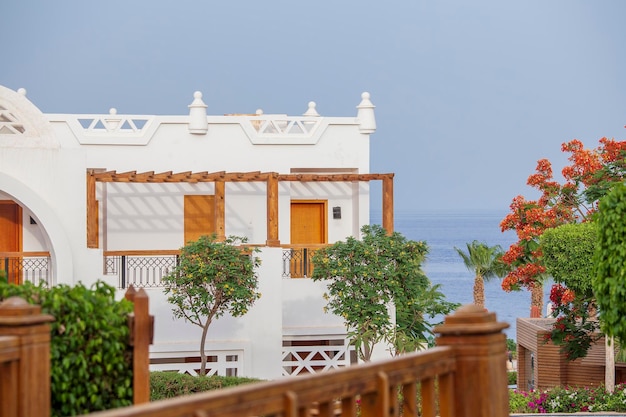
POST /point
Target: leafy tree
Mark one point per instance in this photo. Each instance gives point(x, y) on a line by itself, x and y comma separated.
point(486, 263)
point(609, 280)
point(365, 276)
point(211, 279)
point(568, 257)
point(415, 312)
point(590, 175)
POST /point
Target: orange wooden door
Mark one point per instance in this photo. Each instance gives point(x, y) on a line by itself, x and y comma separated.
point(199, 216)
point(10, 238)
point(308, 226)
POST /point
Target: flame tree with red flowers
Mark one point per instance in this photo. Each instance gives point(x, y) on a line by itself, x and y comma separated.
point(590, 175)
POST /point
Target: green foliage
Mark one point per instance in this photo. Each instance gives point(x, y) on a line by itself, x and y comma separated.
point(211, 279)
point(573, 331)
point(609, 280)
point(486, 263)
point(3, 277)
point(568, 255)
point(365, 276)
point(171, 384)
point(511, 345)
point(568, 252)
point(484, 260)
point(91, 361)
point(511, 377)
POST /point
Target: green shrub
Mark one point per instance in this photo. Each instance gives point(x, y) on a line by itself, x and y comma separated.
point(511, 346)
point(172, 384)
point(91, 361)
point(511, 377)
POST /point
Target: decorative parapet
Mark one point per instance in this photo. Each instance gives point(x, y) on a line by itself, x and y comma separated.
point(110, 129)
point(261, 129)
point(282, 129)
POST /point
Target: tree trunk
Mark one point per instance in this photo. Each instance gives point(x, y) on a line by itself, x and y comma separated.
point(205, 330)
point(609, 363)
point(368, 348)
point(479, 291)
point(536, 298)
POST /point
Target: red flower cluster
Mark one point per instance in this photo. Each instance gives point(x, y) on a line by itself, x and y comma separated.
point(561, 295)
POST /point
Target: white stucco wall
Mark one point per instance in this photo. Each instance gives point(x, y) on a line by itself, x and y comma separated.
point(44, 170)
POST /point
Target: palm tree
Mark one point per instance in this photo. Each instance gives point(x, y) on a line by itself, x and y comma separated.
point(486, 262)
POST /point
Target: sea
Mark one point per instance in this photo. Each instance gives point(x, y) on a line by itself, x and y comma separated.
point(443, 231)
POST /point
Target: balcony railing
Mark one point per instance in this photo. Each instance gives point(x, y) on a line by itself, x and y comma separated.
point(142, 269)
point(298, 260)
point(23, 267)
point(146, 268)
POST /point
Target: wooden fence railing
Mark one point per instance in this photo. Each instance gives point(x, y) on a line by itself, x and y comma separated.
point(464, 376)
point(25, 355)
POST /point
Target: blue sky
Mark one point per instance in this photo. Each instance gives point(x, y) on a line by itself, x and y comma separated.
point(468, 95)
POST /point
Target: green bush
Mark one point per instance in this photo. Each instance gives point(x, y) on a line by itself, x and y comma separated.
point(172, 384)
point(511, 377)
point(91, 361)
point(511, 346)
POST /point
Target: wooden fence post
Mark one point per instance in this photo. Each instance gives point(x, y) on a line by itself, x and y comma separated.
point(141, 338)
point(480, 383)
point(32, 332)
point(9, 362)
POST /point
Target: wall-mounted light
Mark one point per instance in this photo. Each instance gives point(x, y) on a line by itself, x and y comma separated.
point(336, 212)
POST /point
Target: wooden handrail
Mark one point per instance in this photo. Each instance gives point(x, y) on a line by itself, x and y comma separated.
point(465, 376)
point(304, 245)
point(152, 252)
point(166, 252)
point(372, 385)
point(24, 254)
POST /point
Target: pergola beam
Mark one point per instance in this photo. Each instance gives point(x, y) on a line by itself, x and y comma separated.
point(92, 211)
point(271, 179)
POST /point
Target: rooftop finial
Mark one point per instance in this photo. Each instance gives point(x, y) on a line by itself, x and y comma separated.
point(21, 92)
point(198, 123)
point(112, 122)
point(365, 114)
point(311, 110)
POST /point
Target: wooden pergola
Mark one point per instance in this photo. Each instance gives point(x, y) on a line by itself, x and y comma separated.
point(219, 179)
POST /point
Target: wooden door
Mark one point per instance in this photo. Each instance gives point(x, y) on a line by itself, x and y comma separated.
point(199, 216)
point(11, 239)
point(308, 226)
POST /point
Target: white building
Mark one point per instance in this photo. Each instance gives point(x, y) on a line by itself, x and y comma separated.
point(113, 197)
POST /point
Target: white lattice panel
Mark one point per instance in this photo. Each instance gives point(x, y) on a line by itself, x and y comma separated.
point(223, 363)
point(315, 358)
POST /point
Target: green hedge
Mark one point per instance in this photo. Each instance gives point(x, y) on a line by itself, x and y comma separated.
point(172, 384)
point(91, 360)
